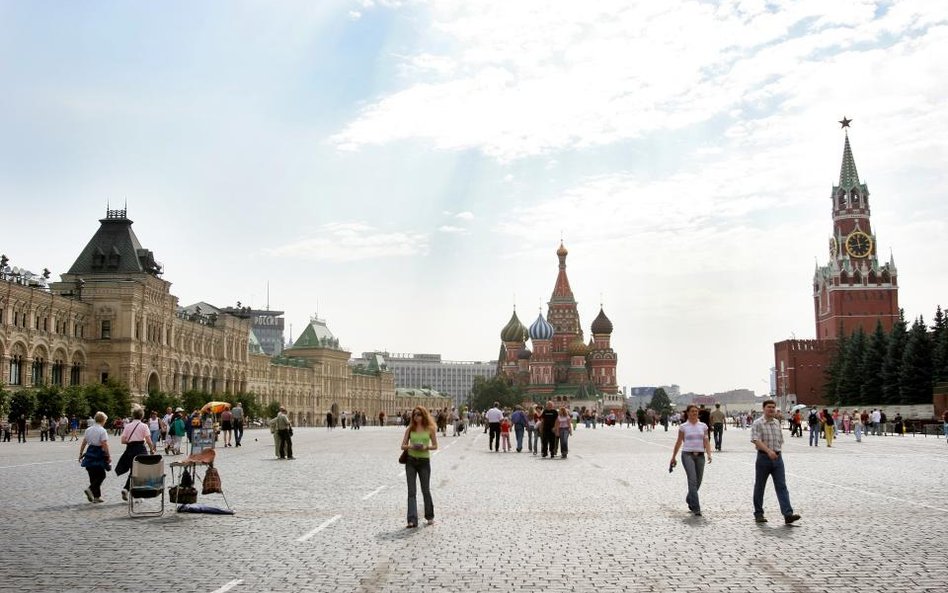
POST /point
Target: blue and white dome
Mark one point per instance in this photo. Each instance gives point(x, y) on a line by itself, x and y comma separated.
point(541, 329)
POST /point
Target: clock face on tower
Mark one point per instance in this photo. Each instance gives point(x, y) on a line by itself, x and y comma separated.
point(858, 244)
point(834, 248)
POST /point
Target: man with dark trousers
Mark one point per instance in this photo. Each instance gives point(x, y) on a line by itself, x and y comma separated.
point(494, 416)
point(548, 429)
point(237, 413)
point(717, 425)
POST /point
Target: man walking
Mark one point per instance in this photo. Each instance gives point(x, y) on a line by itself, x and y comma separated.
point(717, 426)
point(548, 429)
point(813, 420)
point(519, 420)
point(494, 416)
point(284, 434)
point(237, 419)
point(768, 438)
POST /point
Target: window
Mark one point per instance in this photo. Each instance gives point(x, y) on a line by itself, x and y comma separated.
point(16, 370)
point(57, 375)
point(74, 374)
point(104, 378)
point(37, 371)
point(106, 331)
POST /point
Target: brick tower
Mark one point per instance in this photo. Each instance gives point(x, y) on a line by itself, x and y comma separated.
point(853, 290)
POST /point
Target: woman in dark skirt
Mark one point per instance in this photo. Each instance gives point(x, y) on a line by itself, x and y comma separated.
point(95, 457)
point(137, 440)
point(227, 425)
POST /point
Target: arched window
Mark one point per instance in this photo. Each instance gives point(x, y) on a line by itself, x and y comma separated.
point(16, 370)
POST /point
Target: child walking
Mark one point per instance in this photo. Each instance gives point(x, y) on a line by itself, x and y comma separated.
point(505, 433)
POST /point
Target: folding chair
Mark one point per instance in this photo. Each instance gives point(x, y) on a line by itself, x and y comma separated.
point(147, 481)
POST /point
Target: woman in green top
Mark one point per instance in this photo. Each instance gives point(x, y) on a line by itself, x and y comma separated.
point(421, 437)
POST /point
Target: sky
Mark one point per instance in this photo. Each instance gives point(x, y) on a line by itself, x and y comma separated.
point(408, 168)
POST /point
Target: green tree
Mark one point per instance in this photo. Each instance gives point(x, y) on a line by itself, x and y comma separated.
point(49, 401)
point(939, 342)
point(160, 401)
point(22, 403)
point(272, 409)
point(98, 398)
point(661, 403)
point(873, 359)
point(248, 401)
point(915, 386)
point(486, 391)
point(194, 400)
point(834, 370)
point(851, 373)
point(892, 366)
point(4, 400)
point(74, 402)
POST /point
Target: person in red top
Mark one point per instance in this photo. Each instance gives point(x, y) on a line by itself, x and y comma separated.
point(505, 432)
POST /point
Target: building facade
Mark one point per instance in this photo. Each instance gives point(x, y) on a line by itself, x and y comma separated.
point(562, 366)
point(112, 316)
point(853, 291)
point(451, 378)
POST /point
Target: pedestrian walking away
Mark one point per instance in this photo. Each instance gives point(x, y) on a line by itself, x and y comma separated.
point(717, 426)
point(420, 438)
point(768, 438)
point(94, 455)
point(237, 414)
point(494, 416)
point(519, 419)
point(694, 445)
point(137, 440)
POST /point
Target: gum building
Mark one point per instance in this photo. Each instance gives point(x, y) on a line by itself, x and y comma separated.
point(112, 316)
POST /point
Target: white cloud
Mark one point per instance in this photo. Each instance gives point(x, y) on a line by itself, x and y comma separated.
point(353, 241)
point(531, 77)
point(355, 15)
point(453, 230)
point(466, 215)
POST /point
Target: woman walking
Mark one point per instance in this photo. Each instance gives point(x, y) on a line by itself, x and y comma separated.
point(857, 425)
point(564, 428)
point(421, 437)
point(694, 445)
point(227, 425)
point(135, 437)
point(95, 457)
point(829, 427)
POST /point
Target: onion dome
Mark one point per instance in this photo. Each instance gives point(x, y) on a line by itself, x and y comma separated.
point(562, 251)
point(514, 330)
point(601, 324)
point(577, 347)
point(525, 354)
point(541, 329)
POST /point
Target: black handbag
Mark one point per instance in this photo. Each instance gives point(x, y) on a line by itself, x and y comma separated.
point(403, 458)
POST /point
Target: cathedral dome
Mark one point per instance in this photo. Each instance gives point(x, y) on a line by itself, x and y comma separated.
point(514, 330)
point(541, 329)
point(562, 251)
point(601, 324)
point(577, 347)
point(525, 354)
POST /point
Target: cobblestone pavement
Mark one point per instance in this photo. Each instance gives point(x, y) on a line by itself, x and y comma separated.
point(609, 518)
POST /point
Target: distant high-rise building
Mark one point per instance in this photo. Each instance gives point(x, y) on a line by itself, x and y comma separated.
point(453, 378)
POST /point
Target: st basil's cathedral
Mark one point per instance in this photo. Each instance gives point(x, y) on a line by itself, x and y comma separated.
point(561, 365)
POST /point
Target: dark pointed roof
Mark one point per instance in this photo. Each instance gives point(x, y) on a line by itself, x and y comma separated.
point(848, 177)
point(601, 324)
point(114, 249)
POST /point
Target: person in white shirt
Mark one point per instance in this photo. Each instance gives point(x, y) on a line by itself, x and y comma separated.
point(876, 420)
point(494, 416)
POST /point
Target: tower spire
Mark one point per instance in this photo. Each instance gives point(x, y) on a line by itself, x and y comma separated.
point(848, 177)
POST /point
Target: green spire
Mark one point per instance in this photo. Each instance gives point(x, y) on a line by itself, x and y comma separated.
point(848, 177)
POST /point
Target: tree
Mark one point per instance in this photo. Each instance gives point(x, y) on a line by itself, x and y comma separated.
point(661, 403)
point(22, 403)
point(49, 401)
point(873, 359)
point(892, 366)
point(74, 402)
point(915, 386)
point(272, 409)
point(160, 401)
point(4, 400)
point(939, 343)
point(834, 370)
point(194, 400)
point(851, 373)
point(486, 391)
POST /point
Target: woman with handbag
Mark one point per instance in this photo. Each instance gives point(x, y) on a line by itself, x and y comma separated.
point(135, 437)
point(95, 457)
point(421, 437)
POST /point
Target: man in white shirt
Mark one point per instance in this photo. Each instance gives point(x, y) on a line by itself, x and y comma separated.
point(494, 416)
point(876, 422)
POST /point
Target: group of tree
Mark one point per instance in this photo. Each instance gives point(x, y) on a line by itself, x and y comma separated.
point(899, 367)
point(113, 398)
point(661, 403)
point(487, 390)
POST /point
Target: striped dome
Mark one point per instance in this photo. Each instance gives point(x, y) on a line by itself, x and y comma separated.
point(541, 329)
point(514, 330)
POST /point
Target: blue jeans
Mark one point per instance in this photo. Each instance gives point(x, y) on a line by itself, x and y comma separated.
point(518, 433)
point(858, 431)
point(533, 440)
point(564, 441)
point(815, 435)
point(766, 467)
point(422, 469)
point(694, 470)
